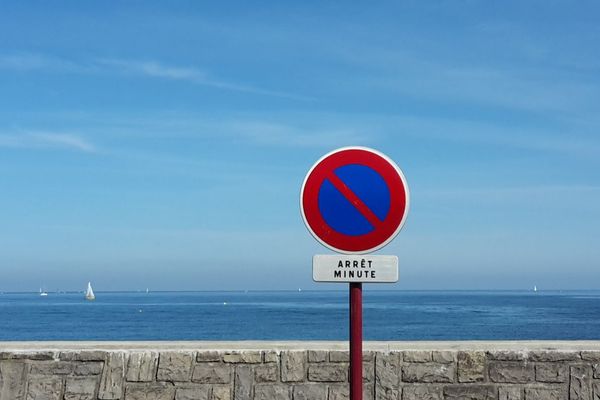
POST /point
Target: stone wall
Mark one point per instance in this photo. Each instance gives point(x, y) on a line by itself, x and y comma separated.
point(299, 371)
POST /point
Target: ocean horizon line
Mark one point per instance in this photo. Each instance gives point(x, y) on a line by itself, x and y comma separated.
point(143, 291)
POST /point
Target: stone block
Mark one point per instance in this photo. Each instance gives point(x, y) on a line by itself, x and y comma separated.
point(428, 373)
point(580, 383)
point(266, 373)
point(271, 357)
point(245, 357)
point(310, 392)
point(111, 382)
point(596, 391)
point(212, 373)
point(387, 372)
point(422, 393)
point(243, 383)
point(596, 370)
point(193, 393)
point(13, 375)
point(208, 356)
point(81, 388)
point(471, 366)
point(328, 373)
point(150, 392)
point(293, 366)
point(511, 372)
point(317, 356)
point(339, 393)
point(417, 356)
point(554, 356)
point(545, 394)
point(88, 368)
point(28, 355)
point(551, 372)
point(52, 368)
point(368, 391)
point(590, 356)
point(339, 356)
point(470, 392)
point(382, 393)
point(506, 355)
point(368, 372)
point(444, 357)
point(175, 366)
point(510, 393)
point(221, 393)
point(83, 355)
point(272, 392)
point(141, 366)
point(368, 355)
point(44, 388)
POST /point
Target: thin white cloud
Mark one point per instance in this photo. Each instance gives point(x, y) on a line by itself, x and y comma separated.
point(193, 75)
point(46, 140)
point(288, 135)
point(304, 130)
point(155, 69)
point(26, 62)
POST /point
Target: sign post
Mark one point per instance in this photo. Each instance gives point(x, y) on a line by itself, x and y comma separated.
point(356, 326)
point(354, 201)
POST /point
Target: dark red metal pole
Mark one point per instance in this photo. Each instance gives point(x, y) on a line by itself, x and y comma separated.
point(356, 326)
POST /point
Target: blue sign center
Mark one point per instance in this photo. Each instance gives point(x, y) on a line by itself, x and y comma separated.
point(339, 212)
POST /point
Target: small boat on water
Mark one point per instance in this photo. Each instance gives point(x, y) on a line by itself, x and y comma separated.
point(534, 288)
point(43, 293)
point(89, 293)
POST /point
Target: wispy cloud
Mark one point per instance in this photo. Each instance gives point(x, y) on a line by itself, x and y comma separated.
point(193, 75)
point(290, 131)
point(158, 70)
point(269, 133)
point(46, 140)
point(25, 62)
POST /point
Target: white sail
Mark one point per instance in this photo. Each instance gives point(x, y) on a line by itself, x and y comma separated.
point(89, 293)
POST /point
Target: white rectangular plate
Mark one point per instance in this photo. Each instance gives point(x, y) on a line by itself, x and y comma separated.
point(355, 268)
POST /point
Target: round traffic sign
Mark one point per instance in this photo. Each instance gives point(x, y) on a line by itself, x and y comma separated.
point(354, 200)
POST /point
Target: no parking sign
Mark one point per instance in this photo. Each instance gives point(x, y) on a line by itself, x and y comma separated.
point(354, 200)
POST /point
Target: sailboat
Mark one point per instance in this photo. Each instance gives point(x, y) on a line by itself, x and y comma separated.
point(89, 293)
point(43, 292)
point(534, 288)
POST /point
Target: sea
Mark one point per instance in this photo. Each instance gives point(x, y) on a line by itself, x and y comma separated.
point(301, 315)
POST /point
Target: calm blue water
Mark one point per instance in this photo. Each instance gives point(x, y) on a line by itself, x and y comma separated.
point(389, 315)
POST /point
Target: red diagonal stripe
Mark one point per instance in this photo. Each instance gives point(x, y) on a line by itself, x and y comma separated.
point(354, 200)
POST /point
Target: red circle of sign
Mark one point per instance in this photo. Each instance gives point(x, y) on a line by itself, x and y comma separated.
point(383, 232)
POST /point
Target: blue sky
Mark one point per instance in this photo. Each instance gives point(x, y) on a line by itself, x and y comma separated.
point(164, 146)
